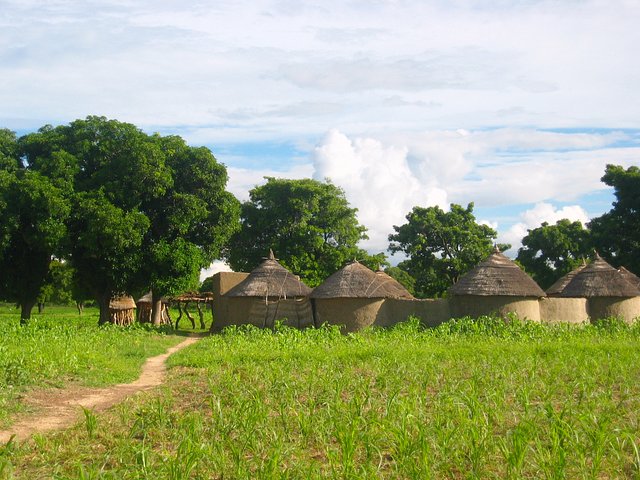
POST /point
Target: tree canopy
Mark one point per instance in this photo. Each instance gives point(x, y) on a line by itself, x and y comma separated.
point(441, 246)
point(616, 234)
point(551, 251)
point(307, 223)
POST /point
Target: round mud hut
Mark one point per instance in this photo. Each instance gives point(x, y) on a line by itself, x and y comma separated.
point(496, 286)
point(122, 310)
point(269, 293)
point(608, 292)
point(353, 297)
point(557, 309)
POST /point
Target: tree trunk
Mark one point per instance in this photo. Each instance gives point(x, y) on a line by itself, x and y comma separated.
point(80, 307)
point(156, 309)
point(103, 303)
point(25, 311)
point(202, 325)
point(40, 307)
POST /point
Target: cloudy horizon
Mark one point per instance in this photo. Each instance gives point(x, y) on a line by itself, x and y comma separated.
point(515, 105)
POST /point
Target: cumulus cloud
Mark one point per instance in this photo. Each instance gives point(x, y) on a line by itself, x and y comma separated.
point(215, 267)
point(534, 217)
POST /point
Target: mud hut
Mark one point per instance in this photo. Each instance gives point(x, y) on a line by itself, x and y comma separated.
point(608, 292)
point(145, 306)
point(122, 310)
point(269, 293)
point(496, 285)
point(557, 309)
point(353, 297)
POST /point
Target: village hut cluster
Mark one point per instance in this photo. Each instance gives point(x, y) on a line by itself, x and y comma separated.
point(355, 297)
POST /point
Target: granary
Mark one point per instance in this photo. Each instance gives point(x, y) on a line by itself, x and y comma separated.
point(608, 292)
point(496, 285)
point(145, 306)
point(557, 309)
point(122, 310)
point(354, 297)
point(269, 293)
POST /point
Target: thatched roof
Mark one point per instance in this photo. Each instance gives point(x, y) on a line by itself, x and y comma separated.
point(630, 277)
point(560, 284)
point(599, 279)
point(148, 298)
point(357, 281)
point(499, 276)
point(124, 302)
point(270, 279)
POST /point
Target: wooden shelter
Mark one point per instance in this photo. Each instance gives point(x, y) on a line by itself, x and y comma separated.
point(145, 307)
point(182, 303)
point(353, 297)
point(122, 310)
point(269, 293)
point(607, 291)
point(496, 285)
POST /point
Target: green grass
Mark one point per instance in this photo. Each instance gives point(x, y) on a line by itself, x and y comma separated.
point(470, 399)
point(59, 347)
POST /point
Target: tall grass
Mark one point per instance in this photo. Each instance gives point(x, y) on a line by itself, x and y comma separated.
point(469, 399)
point(59, 346)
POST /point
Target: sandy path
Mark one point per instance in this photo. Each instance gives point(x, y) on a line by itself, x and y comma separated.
point(61, 408)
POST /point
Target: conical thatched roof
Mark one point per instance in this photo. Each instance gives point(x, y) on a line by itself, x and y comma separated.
point(630, 277)
point(270, 279)
point(599, 279)
point(148, 298)
point(557, 288)
point(357, 281)
point(124, 302)
point(499, 276)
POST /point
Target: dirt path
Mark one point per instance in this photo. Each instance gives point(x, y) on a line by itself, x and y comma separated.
point(61, 408)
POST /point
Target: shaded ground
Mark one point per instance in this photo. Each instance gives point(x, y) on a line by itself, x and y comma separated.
point(55, 409)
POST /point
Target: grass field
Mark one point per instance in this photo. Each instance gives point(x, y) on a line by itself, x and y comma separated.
point(470, 399)
point(60, 347)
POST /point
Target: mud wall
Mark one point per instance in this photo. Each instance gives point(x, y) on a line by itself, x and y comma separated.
point(477, 305)
point(563, 310)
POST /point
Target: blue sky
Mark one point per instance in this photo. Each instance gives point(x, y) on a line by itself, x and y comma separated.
point(514, 105)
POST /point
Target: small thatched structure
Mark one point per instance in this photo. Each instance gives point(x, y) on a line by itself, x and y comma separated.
point(145, 307)
point(630, 277)
point(496, 285)
point(608, 292)
point(557, 309)
point(269, 293)
point(354, 296)
point(122, 310)
point(560, 284)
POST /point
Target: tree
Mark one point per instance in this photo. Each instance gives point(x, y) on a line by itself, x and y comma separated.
point(148, 211)
point(33, 212)
point(616, 234)
point(307, 223)
point(441, 246)
point(406, 280)
point(551, 251)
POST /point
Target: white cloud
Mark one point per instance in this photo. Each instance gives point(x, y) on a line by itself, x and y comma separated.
point(533, 218)
point(215, 267)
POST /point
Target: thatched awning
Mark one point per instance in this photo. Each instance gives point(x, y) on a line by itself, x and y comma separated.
point(272, 280)
point(194, 297)
point(560, 284)
point(124, 302)
point(357, 281)
point(599, 279)
point(630, 277)
point(498, 276)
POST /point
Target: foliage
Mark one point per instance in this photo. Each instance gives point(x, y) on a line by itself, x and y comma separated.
point(551, 251)
point(206, 285)
point(616, 235)
point(308, 224)
point(33, 214)
point(148, 211)
point(470, 399)
point(441, 246)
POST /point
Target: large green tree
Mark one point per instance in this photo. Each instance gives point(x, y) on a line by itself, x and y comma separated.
point(148, 211)
point(441, 246)
point(308, 224)
point(551, 251)
point(616, 234)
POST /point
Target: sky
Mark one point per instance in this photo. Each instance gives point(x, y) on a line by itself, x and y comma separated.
point(516, 105)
